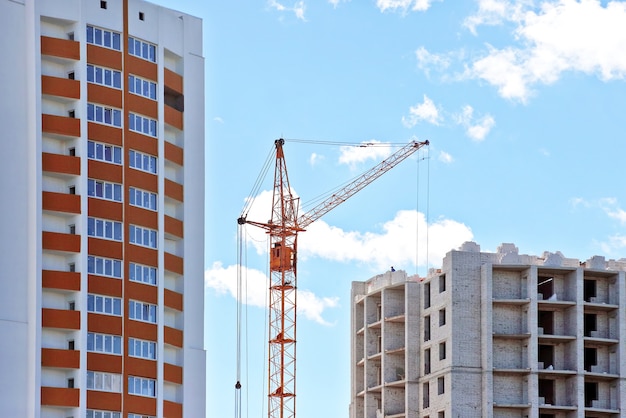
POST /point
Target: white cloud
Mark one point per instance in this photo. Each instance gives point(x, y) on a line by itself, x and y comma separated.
point(223, 280)
point(298, 8)
point(404, 5)
point(495, 12)
point(445, 157)
point(559, 36)
point(427, 60)
point(218, 119)
point(353, 155)
point(425, 111)
point(476, 129)
point(610, 206)
point(315, 158)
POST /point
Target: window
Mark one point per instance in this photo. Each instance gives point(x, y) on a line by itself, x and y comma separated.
point(427, 328)
point(102, 228)
point(142, 87)
point(104, 115)
point(142, 124)
point(425, 395)
point(142, 311)
point(108, 382)
point(108, 305)
point(441, 385)
point(442, 351)
point(442, 317)
point(104, 343)
point(104, 190)
point(442, 283)
point(139, 416)
point(71, 345)
point(140, 235)
point(141, 386)
point(141, 49)
point(104, 152)
point(426, 295)
point(103, 37)
point(143, 274)
point(104, 76)
point(104, 266)
point(427, 361)
point(143, 162)
point(103, 4)
point(142, 348)
point(142, 198)
point(71, 114)
point(70, 383)
point(441, 414)
point(92, 413)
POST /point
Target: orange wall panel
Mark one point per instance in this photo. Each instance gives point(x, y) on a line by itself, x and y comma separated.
point(173, 300)
point(141, 67)
point(173, 226)
point(142, 105)
point(172, 409)
point(174, 190)
point(104, 57)
point(173, 263)
point(104, 400)
point(104, 248)
point(57, 86)
point(143, 217)
point(60, 318)
point(57, 163)
point(104, 171)
point(99, 362)
point(142, 255)
point(141, 330)
point(104, 324)
point(67, 359)
point(142, 180)
point(173, 373)
point(65, 280)
point(173, 336)
point(104, 95)
point(104, 133)
point(59, 396)
point(173, 117)
point(60, 242)
point(61, 125)
point(106, 209)
point(140, 404)
point(173, 153)
point(142, 292)
point(173, 80)
point(57, 47)
point(143, 143)
point(141, 367)
point(61, 202)
point(104, 286)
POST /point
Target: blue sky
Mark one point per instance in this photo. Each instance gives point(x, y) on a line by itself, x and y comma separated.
point(522, 101)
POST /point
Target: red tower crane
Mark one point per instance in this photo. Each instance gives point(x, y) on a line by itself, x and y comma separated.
point(283, 229)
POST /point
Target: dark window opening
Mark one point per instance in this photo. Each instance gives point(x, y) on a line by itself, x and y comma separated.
point(426, 395)
point(546, 391)
point(591, 358)
point(441, 385)
point(70, 345)
point(545, 287)
point(442, 283)
point(546, 355)
point(70, 36)
point(546, 416)
point(72, 189)
point(71, 306)
point(546, 321)
point(427, 361)
point(72, 267)
point(427, 328)
point(174, 99)
point(71, 75)
point(442, 317)
point(427, 295)
point(70, 383)
point(141, 16)
point(590, 324)
point(589, 290)
point(103, 4)
point(442, 351)
point(71, 114)
point(72, 152)
point(441, 414)
point(591, 393)
point(72, 229)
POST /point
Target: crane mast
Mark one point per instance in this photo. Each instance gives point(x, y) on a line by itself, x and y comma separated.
point(283, 228)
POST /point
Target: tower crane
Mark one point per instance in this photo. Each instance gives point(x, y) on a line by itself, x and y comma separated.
point(283, 229)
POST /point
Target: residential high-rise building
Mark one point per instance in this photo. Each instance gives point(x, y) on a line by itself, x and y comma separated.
point(492, 335)
point(102, 172)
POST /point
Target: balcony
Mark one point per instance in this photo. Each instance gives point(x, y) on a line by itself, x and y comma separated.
point(65, 397)
point(60, 164)
point(66, 359)
point(62, 87)
point(57, 241)
point(60, 318)
point(172, 373)
point(173, 228)
point(61, 48)
point(173, 337)
point(60, 125)
point(173, 263)
point(62, 280)
point(61, 202)
point(173, 300)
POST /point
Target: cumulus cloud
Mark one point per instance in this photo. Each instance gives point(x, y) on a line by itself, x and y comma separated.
point(223, 280)
point(297, 9)
point(404, 5)
point(444, 157)
point(426, 111)
point(613, 244)
point(560, 36)
point(476, 128)
point(315, 158)
point(369, 150)
point(495, 12)
point(611, 208)
point(427, 61)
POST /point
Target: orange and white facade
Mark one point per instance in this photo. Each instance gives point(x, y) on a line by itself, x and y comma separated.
point(102, 215)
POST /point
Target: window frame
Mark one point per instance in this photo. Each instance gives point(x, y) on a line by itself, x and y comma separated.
point(133, 269)
point(151, 348)
point(103, 311)
point(98, 113)
point(147, 126)
point(152, 198)
point(94, 148)
point(116, 341)
point(115, 187)
point(100, 230)
point(113, 36)
point(93, 260)
point(151, 386)
point(152, 87)
point(150, 317)
point(143, 233)
point(147, 50)
point(144, 160)
point(103, 72)
point(102, 377)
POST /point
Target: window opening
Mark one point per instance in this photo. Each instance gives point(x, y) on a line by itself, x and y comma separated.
point(546, 391)
point(103, 4)
point(546, 356)
point(591, 324)
point(589, 290)
point(546, 321)
point(591, 358)
point(545, 287)
point(72, 114)
point(141, 16)
point(71, 75)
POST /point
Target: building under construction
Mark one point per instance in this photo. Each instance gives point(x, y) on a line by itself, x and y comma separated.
point(491, 335)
